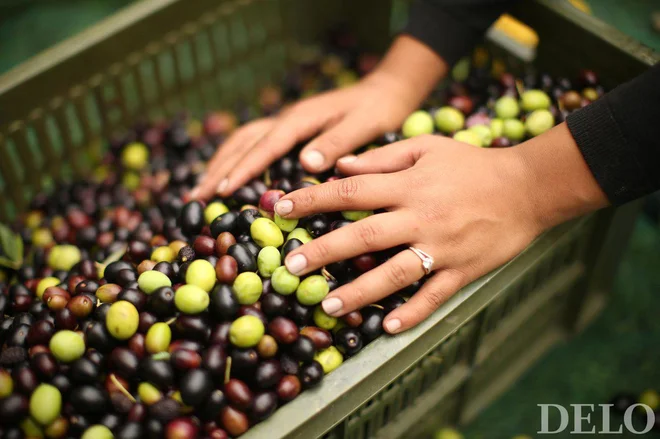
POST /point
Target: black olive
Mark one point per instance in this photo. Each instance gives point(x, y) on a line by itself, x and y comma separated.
point(130, 430)
point(161, 302)
point(223, 304)
point(166, 268)
point(224, 223)
point(317, 224)
point(290, 245)
point(13, 409)
point(244, 258)
point(111, 272)
point(303, 349)
point(88, 400)
point(191, 218)
point(215, 361)
point(195, 386)
point(372, 323)
point(246, 195)
point(84, 371)
point(18, 336)
point(155, 429)
point(289, 364)
point(215, 401)
point(62, 382)
point(165, 410)
point(157, 372)
point(392, 302)
point(78, 424)
point(253, 247)
point(267, 374)
point(274, 305)
point(348, 341)
point(112, 421)
point(98, 337)
point(192, 327)
point(244, 361)
point(125, 277)
point(310, 374)
point(282, 168)
point(186, 254)
point(44, 365)
point(245, 219)
point(299, 313)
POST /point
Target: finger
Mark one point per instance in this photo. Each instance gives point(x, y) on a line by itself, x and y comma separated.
point(349, 134)
point(422, 304)
point(217, 168)
point(391, 158)
point(395, 274)
point(377, 232)
point(363, 192)
point(286, 133)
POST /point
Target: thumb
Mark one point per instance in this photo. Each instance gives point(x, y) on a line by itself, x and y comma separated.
point(349, 134)
point(394, 157)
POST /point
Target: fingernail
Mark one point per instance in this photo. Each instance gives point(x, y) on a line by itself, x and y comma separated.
point(194, 193)
point(332, 305)
point(283, 207)
point(296, 263)
point(392, 325)
point(222, 186)
point(347, 159)
point(314, 159)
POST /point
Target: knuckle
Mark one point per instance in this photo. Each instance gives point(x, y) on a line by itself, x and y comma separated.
point(332, 141)
point(397, 275)
point(356, 295)
point(347, 189)
point(320, 249)
point(434, 299)
point(304, 198)
point(366, 234)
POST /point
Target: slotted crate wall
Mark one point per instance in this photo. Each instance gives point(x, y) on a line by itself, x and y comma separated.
point(161, 56)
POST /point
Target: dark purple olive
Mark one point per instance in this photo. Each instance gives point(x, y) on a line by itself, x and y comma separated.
point(224, 223)
point(134, 296)
point(138, 251)
point(390, 303)
point(88, 400)
point(111, 273)
point(289, 364)
point(157, 372)
point(112, 421)
point(165, 410)
point(214, 403)
point(223, 304)
point(310, 374)
point(264, 405)
point(244, 361)
point(85, 371)
point(44, 365)
point(13, 409)
point(195, 386)
point(146, 320)
point(245, 220)
point(220, 334)
point(62, 382)
point(215, 361)
point(268, 374)
point(124, 362)
point(302, 315)
point(289, 246)
point(161, 302)
point(348, 341)
point(283, 330)
point(25, 380)
point(40, 333)
point(183, 360)
point(166, 268)
point(130, 430)
point(273, 305)
point(244, 257)
point(18, 336)
point(194, 327)
point(303, 349)
point(191, 218)
point(246, 195)
point(372, 323)
point(238, 393)
point(98, 337)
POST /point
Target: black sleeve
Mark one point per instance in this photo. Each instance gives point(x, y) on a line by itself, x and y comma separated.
point(619, 138)
point(452, 27)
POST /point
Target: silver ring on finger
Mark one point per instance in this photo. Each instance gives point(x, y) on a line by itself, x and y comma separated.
point(427, 259)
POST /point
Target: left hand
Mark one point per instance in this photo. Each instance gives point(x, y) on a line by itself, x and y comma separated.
point(469, 208)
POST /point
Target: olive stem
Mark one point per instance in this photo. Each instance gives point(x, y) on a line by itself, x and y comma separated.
point(375, 305)
point(121, 388)
point(228, 370)
point(520, 87)
point(171, 321)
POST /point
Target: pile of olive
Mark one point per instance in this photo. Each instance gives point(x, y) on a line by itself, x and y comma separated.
point(137, 314)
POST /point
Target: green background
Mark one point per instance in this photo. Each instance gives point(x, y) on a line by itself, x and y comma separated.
point(619, 351)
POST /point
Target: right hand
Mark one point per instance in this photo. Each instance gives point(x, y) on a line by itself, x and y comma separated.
point(344, 120)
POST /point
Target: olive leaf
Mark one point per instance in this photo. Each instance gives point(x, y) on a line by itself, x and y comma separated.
point(113, 257)
point(12, 247)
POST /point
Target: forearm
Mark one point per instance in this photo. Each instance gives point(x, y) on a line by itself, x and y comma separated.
point(412, 67)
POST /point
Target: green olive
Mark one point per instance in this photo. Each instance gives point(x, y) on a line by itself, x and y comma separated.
point(418, 123)
point(268, 260)
point(130, 180)
point(122, 320)
point(214, 210)
point(323, 320)
point(312, 290)
point(330, 359)
point(163, 254)
point(285, 225)
point(506, 107)
point(484, 132)
point(539, 122)
point(45, 404)
point(98, 432)
point(45, 283)
point(63, 257)
point(513, 129)
point(158, 338)
point(148, 393)
point(31, 429)
point(201, 273)
point(67, 346)
point(356, 215)
point(266, 233)
point(135, 156)
point(283, 281)
point(6, 384)
point(532, 100)
point(300, 234)
point(191, 299)
point(469, 137)
point(247, 288)
point(496, 127)
point(246, 331)
point(447, 433)
point(449, 120)
point(151, 280)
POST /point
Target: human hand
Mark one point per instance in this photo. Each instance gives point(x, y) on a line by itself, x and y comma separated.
point(471, 209)
point(342, 120)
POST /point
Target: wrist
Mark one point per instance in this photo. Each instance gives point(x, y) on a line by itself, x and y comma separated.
point(555, 179)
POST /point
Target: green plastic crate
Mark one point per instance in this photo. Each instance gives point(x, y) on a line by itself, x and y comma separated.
point(159, 56)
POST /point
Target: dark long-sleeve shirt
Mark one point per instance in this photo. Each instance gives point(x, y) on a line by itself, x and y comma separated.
point(618, 135)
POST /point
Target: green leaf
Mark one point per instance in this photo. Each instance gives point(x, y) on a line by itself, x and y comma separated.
point(12, 244)
point(8, 263)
